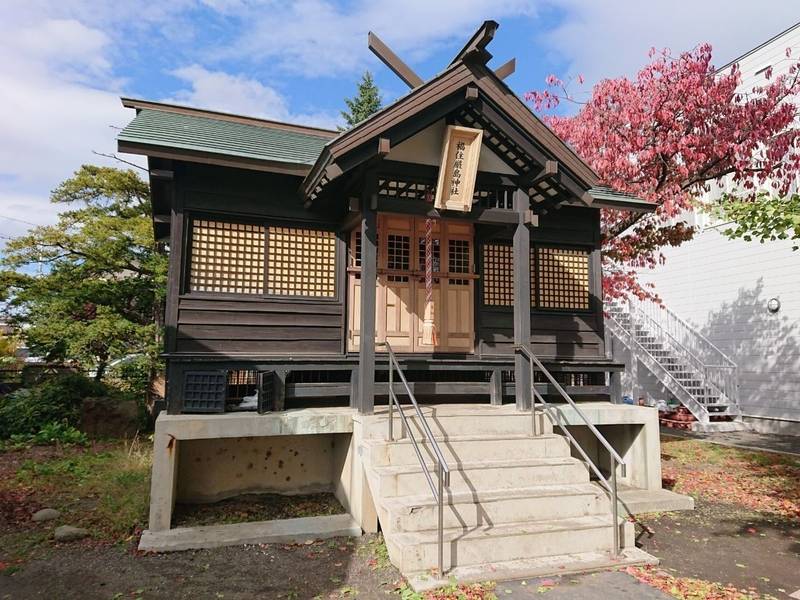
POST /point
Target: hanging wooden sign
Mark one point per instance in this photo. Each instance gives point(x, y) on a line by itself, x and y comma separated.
point(461, 151)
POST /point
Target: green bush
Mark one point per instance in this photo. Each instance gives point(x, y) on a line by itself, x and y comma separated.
point(28, 411)
point(52, 433)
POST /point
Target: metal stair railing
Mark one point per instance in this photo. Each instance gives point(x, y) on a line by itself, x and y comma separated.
point(659, 370)
point(714, 365)
point(615, 460)
point(442, 470)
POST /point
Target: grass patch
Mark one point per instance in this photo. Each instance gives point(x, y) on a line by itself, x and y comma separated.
point(376, 553)
point(105, 491)
point(759, 481)
point(256, 507)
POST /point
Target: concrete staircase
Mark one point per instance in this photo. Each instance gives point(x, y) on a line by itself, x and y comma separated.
point(517, 505)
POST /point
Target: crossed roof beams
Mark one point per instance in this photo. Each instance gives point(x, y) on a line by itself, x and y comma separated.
point(474, 48)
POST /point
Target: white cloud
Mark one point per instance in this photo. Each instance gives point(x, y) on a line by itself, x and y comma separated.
point(317, 37)
point(239, 94)
point(609, 39)
point(58, 102)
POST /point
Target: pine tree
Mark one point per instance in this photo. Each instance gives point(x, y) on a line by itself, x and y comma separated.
point(366, 102)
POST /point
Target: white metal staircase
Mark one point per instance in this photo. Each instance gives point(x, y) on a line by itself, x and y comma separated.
point(697, 373)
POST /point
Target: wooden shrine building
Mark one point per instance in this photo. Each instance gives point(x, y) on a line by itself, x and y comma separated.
point(296, 254)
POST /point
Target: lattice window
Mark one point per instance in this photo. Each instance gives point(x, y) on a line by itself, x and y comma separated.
point(563, 276)
point(398, 252)
point(498, 275)
point(437, 254)
point(226, 257)
point(458, 258)
point(301, 262)
point(357, 248)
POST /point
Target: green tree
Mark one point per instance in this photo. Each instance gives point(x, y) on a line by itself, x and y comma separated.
point(366, 102)
point(91, 287)
point(765, 218)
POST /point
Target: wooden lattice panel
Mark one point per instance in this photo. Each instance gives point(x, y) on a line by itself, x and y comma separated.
point(498, 275)
point(459, 257)
point(204, 391)
point(227, 257)
point(563, 278)
point(301, 262)
point(398, 252)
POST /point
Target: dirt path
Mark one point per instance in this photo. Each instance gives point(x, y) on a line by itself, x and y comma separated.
point(341, 568)
point(728, 544)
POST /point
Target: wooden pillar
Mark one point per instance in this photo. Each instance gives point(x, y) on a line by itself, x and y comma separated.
point(177, 239)
point(522, 300)
point(369, 272)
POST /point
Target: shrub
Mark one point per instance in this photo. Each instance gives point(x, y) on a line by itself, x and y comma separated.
point(29, 410)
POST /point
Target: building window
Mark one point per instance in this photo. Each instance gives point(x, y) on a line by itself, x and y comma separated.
point(301, 262)
point(227, 257)
point(563, 278)
point(559, 277)
point(498, 275)
point(240, 258)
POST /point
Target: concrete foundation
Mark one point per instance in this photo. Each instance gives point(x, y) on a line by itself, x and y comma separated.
point(205, 458)
point(214, 469)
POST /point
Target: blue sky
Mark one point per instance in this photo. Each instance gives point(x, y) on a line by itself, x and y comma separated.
point(66, 62)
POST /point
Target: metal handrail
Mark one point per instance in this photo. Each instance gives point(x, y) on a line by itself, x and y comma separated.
point(697, 409)
point(693, 346)
point(442, 470)
point(694, 332)
point(610, 484)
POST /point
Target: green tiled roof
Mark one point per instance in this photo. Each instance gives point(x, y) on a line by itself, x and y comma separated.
point(204, 134)
point(608, 196)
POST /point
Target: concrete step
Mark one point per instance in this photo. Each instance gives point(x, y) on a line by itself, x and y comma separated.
point(409, 480)
point(530, 568)
point(417, 551)
point(457, 449)
point(496, 507)
point(446, 422)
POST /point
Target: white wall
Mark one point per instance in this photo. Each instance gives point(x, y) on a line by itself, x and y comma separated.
point(722, 287)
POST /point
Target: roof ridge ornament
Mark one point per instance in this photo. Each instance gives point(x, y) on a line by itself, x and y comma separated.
point(474, 50)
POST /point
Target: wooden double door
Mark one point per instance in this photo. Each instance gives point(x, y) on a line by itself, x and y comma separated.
point(400, 302)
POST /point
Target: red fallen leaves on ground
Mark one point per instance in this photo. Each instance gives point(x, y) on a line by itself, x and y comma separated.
point(688, 588)
point(475, 591)
point(757, 481)
point(17, 505)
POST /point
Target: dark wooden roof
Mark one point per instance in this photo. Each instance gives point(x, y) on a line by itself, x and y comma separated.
point(491, 103)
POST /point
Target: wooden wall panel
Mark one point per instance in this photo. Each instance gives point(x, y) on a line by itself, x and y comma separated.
point(554, 334)
point(260, 327)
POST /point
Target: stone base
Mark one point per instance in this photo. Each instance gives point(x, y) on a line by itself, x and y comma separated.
point(282, 531)
point(640, 502)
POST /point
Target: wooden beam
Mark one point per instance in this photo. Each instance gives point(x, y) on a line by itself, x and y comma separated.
point(472, 93)
point(522, 300)
point(499, 216)
point(508, 128)
point(506, 69)
point(369, 274)
point(391, 60)
point(162, 174)
point(384, 146)
point(476, 46)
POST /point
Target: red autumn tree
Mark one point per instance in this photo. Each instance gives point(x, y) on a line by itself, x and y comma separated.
point(665, 136)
